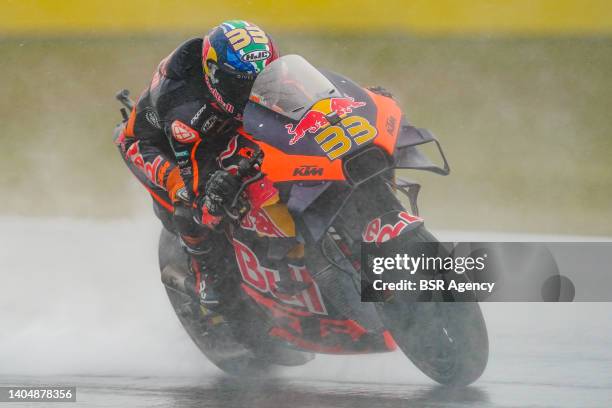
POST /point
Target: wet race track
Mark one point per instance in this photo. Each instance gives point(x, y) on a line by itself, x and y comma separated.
point(88, 310)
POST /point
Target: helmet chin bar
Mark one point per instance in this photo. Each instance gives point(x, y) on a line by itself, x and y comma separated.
point(230, 88)
point(226, 106)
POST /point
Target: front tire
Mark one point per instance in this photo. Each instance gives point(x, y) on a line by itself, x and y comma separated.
point(447, 341)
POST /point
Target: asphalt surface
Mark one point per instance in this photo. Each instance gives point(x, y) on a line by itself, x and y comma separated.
point(81, 304)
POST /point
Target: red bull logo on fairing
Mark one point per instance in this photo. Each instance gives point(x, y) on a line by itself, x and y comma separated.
point(316, 118)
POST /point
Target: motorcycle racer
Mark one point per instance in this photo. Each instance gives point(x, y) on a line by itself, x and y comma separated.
point(181, 122)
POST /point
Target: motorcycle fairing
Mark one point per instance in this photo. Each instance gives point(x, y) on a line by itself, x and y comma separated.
point(272, 221)
point(314, 206)
point(302, 195)
point(314, 220)
point(306, 320)
point(266, 239)
point(408, 156)
point(279, 166)
point(319, 334)
point(386, 114)
point(305, 161)
point(269, 129)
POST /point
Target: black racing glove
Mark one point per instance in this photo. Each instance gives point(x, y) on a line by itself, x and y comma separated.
point(220, 190)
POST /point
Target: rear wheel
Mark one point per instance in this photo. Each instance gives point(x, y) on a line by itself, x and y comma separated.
point(214, 338)
point(214, 334)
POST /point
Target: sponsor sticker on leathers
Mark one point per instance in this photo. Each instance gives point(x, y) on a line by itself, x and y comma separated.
point(152, 117)
point(183, 133)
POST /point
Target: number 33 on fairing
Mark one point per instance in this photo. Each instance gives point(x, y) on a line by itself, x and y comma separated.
point(334, 140)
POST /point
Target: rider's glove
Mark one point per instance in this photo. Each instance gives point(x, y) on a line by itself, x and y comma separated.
point(220, 190)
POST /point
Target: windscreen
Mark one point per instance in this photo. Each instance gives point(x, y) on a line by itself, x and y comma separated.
point(290, 86)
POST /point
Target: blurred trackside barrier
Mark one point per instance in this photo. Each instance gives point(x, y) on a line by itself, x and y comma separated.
point(438, 17)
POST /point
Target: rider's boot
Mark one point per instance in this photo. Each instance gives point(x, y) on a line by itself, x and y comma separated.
point(201, 244)
point(202, 278)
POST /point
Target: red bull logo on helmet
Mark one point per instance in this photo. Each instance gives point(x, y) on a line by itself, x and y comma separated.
point(316, 118)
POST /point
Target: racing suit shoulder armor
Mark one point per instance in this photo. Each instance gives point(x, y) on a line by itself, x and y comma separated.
point(185, 59)
point(179, 78)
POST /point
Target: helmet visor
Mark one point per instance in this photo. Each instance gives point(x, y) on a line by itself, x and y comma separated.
point(234, 86)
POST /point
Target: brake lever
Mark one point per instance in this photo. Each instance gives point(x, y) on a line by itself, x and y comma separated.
point(244, 167)
point(234, 211)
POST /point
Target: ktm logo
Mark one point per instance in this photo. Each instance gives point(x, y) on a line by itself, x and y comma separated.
point(308, 170)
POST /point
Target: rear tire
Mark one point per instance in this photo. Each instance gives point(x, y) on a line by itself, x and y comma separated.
point(216, 340)
point(214, 335)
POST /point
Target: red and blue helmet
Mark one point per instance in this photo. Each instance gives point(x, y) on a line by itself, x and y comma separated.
point(233, 53)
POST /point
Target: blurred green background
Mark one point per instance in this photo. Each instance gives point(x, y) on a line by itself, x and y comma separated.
point(525, 122)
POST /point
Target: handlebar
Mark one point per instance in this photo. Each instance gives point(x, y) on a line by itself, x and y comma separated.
point(123, 96)
point(239, 207)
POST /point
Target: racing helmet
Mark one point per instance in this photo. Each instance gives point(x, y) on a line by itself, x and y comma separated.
point(233, 53)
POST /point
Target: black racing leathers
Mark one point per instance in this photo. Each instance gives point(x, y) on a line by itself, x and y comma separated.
point(176, 131)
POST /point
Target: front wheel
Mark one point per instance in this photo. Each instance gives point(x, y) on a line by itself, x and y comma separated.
point(446, 340)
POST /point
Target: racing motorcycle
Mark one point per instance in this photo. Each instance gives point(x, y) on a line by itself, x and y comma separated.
point(317, 156)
